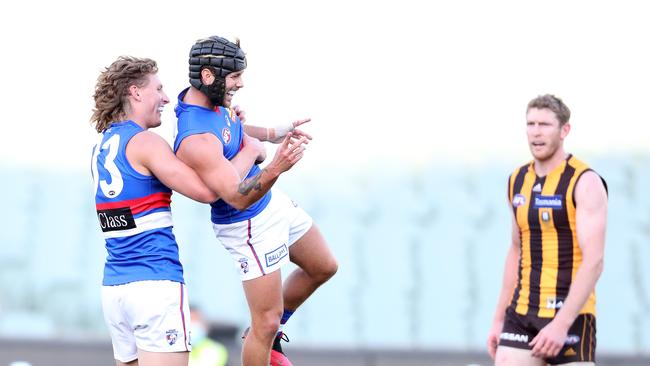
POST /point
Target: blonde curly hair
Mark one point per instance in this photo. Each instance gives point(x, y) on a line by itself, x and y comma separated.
point(112, 89)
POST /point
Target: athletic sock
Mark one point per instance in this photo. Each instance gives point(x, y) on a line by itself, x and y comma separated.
point(285, 317)
point(280, 335)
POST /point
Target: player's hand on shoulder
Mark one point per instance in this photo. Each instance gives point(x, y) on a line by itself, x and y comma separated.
point(240, 113)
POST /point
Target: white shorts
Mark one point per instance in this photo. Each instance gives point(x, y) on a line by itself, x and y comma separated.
point(260, 245)
point(149, 315)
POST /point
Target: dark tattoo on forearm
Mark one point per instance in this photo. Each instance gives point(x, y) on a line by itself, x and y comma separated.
point(251, 183)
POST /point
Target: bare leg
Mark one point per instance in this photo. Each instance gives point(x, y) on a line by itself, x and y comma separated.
point(264, 296)
point(161, 358)
point(316, 265)
point(510, 356)
point(132, 363)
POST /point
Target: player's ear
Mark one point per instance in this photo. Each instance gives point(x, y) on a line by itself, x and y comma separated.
point(207, 77)
point(134, 92)
point(565, 130)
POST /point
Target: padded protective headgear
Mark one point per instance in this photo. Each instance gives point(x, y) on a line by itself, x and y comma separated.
point(220, 56)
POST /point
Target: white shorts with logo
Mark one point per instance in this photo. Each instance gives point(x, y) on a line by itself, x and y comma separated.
point(149, 315)
point(261, 244)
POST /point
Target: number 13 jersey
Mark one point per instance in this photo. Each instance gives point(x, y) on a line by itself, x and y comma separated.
point(134, 214)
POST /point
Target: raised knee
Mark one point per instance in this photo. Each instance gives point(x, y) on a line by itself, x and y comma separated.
point(328, 270)
point(332, 269)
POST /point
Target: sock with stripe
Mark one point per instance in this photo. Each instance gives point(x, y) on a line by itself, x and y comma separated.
point(285, 317)
point(280, 335)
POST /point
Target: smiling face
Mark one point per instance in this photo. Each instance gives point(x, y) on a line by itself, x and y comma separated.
point(234, 82)
point(150, 100)
point(545, 133)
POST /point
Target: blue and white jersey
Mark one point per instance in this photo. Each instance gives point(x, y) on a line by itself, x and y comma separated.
point(226, 126)
point(134, 214)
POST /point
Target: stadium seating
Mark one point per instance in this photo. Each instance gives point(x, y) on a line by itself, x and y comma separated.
point(420, 251)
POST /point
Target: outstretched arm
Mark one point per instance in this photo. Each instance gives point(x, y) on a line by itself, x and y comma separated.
point(203, 153)
point(275, 134)
point(591, 219)
point(150, 154)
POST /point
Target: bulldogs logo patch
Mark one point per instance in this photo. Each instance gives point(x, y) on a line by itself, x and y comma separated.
point(171, 336)
point(225, 134)
point(243, 265)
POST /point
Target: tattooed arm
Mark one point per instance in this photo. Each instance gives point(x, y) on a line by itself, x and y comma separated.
point(203, 153)
point(252, 183)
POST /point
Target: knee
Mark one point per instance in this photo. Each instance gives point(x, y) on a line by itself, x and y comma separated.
point(267, 323)
point(328, 270)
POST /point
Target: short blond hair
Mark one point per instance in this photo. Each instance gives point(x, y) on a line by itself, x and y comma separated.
point(552, 103)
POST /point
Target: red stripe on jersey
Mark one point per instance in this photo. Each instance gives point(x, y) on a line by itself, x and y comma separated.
point(156, 200)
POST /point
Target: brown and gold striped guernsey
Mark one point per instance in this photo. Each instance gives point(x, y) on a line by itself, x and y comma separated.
point(544, 208)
